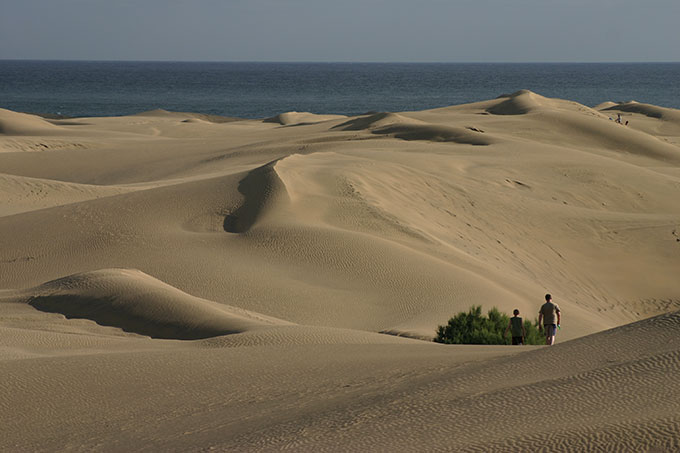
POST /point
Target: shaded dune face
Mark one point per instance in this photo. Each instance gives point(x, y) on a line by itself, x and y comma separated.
point(261, 189)
point(138, 303)
point(435, 133)
point(370, 121)
point(651, 111)
point(405, 128)
point(300, 118)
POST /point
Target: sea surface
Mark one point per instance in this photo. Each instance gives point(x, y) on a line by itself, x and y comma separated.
point(259, 90)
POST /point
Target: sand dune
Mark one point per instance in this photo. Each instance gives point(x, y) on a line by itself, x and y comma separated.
point(435, 134)
point(524, 102)
point(270, 391)
point(410, 129)
point(226, 281)
point(652, 111)
point(136, 302)
point(518, 103)
point(297, 118)
point(261, 189)
point(372, 121)
point(188, 116)
point(22, 194)
point(13, 123)
point(498, 405)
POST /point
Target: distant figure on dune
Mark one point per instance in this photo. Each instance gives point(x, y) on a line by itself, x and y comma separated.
point(549, 317)
point(516, 327)
point(618, 120)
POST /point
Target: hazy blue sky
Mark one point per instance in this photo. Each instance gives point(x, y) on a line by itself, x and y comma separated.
point(342, 30)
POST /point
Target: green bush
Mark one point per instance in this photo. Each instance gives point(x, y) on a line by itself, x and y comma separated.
point(474, 328)
point(533, 335)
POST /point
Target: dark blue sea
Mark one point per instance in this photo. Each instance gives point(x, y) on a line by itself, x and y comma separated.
point(258, 90)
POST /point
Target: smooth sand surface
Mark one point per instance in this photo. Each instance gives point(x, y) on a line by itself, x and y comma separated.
point(185, 282)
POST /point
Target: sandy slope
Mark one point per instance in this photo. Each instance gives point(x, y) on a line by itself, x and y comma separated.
point(282, 247)
point(136, 302)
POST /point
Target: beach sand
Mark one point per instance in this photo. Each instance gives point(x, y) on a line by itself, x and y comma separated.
point(185, 282)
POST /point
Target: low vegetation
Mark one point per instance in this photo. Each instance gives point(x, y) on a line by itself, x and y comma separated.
point(472, 327)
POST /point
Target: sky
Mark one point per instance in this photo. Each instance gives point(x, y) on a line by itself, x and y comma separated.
point(342, 30)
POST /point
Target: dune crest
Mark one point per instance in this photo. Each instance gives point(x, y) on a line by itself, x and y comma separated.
point(436, 133)
point(372, 121)
point(187, 116)
point(405, 128)
point(136, 302)
point(518, 103)
point(262, 189)
point(23, 194)
point(14, 123)
point(300, 118)
point(651, 111)
point(525, 101)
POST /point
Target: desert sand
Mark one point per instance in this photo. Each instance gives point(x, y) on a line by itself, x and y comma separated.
point(185, 282)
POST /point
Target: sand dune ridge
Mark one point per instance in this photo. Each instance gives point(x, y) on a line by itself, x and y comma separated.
point(261, 189)
point(135, 302)
point(406, 128)
point(13, 123)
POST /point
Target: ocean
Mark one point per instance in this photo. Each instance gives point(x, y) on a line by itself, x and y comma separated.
point(260, 90)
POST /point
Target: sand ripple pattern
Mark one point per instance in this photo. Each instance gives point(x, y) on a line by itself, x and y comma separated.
point(216, 284)
point(522, 403)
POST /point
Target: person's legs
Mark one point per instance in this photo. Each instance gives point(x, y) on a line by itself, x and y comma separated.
point(549, 334)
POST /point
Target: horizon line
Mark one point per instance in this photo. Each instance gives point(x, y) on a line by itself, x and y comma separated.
point(327, 61)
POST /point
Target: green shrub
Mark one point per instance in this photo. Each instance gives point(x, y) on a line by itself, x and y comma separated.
point(474, 328)
point(533, 335)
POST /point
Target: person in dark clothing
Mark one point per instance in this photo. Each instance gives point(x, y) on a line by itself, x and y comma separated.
point(516, 327)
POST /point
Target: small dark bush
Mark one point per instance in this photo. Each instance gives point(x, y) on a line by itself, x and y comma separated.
point(474, 328)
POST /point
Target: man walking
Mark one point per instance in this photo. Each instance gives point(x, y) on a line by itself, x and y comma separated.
point(549, 317)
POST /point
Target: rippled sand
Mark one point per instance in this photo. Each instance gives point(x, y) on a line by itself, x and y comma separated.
point(180, 282)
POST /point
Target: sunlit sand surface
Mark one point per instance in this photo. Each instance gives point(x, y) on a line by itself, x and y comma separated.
point(184, 282)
